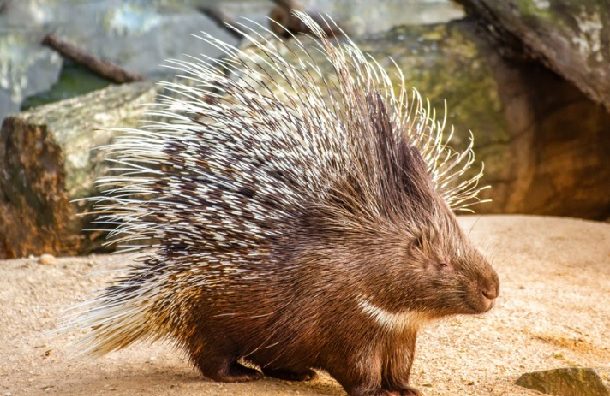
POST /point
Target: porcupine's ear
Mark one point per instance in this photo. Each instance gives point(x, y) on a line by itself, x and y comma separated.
point(405, 170)
point(416, 180)
point(413, 160)
point(379, 118)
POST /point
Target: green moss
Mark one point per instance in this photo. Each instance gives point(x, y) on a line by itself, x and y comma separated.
point(445, 65)
point(537, 8)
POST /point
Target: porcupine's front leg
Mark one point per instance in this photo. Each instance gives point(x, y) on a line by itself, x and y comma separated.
point(399, 359)
point(407, 391)
point(385, 392)
point(357, 368)
point(384, 372)
point(364, 391)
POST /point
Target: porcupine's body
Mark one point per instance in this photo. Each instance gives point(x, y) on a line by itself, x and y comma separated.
point(291, 232)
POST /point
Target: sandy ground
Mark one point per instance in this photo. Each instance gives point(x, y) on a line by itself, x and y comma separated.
point(553, 311)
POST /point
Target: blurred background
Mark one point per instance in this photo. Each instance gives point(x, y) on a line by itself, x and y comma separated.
point(529, 78)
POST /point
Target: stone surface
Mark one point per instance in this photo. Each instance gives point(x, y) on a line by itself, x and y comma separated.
point(26, 68)
point(137, 35)
point(572, 381)
point(134, 34)
point(46, 259)
point(363, 17)
point(358, 17)
point(46, 161)
point(570, 37)
point(558, 154)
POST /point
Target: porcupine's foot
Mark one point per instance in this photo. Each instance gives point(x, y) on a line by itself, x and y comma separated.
point(228, 371)
point(288, 375)
point(406, 391)
point(387, 392)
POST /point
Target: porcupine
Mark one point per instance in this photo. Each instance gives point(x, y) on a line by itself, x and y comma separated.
point(297, 220)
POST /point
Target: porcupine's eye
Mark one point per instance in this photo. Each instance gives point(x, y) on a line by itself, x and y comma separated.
point(437, 266)
point(418, 242)
point(444, 266)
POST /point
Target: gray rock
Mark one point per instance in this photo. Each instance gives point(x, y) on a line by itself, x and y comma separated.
point(26, 68)
point(366, 17)
point(47, 161)
point(572, 381)
point(357, 16)
point(136, 35)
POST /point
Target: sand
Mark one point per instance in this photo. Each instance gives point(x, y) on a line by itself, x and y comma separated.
point(553, 311)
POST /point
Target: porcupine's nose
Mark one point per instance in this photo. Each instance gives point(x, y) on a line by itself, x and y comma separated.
point(488, 299)
point(490, 294)
point(490, 291)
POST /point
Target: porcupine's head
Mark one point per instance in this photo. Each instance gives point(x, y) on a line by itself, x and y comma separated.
point(444, 273)
point(392, 220)
point(426, 262)
point(388, 206)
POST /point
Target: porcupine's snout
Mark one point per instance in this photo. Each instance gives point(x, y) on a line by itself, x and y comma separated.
point(490, 289)
point(485, 288)
point(477, 284)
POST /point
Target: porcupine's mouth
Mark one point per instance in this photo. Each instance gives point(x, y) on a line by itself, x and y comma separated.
point(480, 305)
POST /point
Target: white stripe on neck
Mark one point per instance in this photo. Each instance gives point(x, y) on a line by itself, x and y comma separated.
point(393, 321)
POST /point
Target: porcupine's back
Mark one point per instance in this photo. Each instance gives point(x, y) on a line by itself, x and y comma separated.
point(220, 185)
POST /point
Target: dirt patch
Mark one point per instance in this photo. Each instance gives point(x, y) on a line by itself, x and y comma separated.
point(577, 345)
point(552, 312)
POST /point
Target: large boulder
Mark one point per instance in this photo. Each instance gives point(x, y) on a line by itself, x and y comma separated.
point(543, 154)
point(26, 68)
point(138, 36)
point(47, 161)
point(570, 37)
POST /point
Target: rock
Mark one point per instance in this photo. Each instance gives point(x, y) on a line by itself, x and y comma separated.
point(573, 381)
point(570, 37)
point(136, 35)
point(46, 259)
point(367, 17)
point(74, 80)
point(26, 68)
point(46, 161)
point(544, 154)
